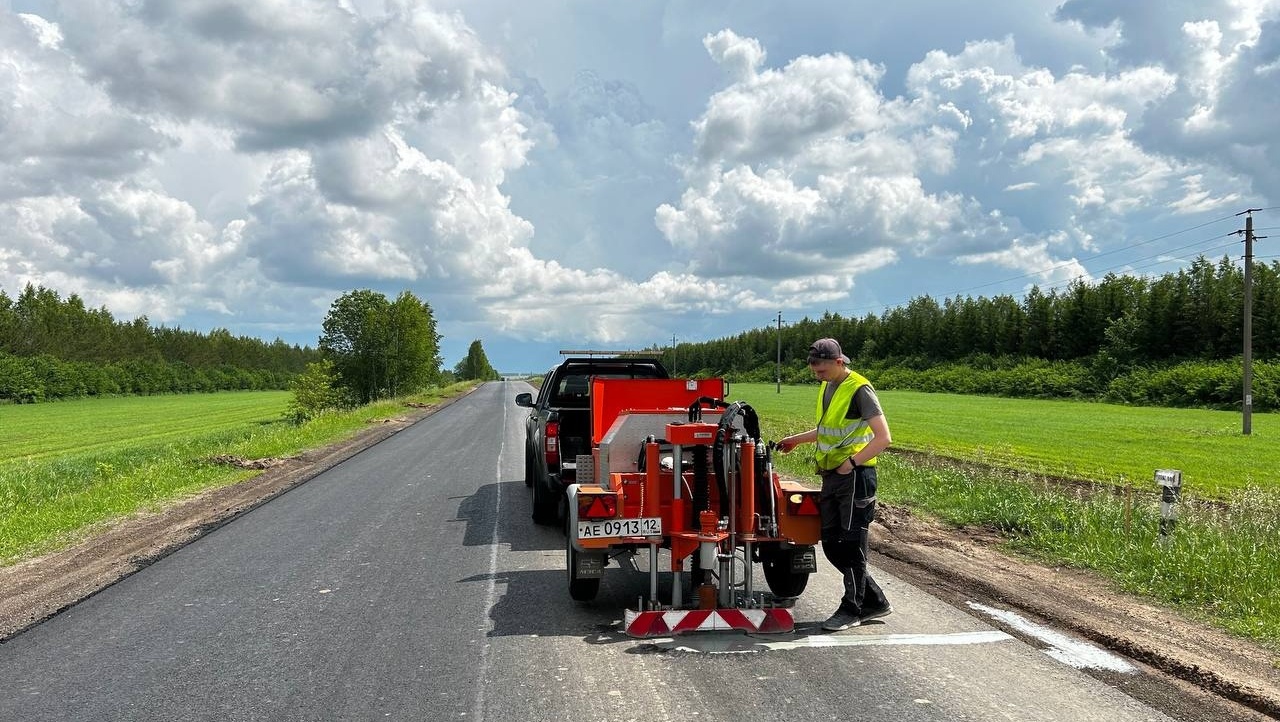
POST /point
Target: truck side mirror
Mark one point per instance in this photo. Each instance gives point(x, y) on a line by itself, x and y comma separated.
point(525, 399)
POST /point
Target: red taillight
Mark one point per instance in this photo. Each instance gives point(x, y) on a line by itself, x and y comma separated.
point(597, 506)
point(551, 442)
point(802, 505)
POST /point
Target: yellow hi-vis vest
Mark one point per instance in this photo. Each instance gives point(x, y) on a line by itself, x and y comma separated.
point(840, 437)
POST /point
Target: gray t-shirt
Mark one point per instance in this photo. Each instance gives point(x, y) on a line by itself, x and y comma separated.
point(865, 404)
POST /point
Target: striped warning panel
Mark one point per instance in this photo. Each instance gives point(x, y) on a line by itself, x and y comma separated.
point(663, 623)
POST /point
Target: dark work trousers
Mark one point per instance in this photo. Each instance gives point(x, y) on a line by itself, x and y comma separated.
point(848, 507)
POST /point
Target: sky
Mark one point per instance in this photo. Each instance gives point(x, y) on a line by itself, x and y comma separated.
point(594, 174)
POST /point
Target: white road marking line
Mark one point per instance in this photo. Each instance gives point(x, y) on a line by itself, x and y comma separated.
point(727, 644)
point(1075, 652)
point(491, 592)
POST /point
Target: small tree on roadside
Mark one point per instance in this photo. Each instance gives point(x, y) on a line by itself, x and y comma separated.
point(314, 392)
point(380, 348)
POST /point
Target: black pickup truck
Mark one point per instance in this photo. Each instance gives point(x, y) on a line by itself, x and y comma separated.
point(558, 428)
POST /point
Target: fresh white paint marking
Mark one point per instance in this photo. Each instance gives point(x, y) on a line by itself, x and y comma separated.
point(736, 644)
point(1075, 652)
point(491, 591)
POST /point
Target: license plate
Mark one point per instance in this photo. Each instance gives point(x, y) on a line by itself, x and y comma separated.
point(646, 526)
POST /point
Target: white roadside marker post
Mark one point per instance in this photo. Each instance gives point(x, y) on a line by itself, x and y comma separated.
point(1170, 483)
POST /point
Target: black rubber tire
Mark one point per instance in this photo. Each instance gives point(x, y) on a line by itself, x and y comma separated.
point(783, 582)
point(530, 467)
point(546, 504)
point(580, 590)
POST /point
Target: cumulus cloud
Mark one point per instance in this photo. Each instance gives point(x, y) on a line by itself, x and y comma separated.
point(739, 56)
point(595, 175)
point(1223, 54)
point(59, 130)
point(247, 161)
point(806, 168)
point(281, 74)
point(1035, 259)
point(810, 169)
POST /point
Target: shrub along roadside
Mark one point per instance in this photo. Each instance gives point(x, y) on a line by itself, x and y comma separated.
point(52, 502)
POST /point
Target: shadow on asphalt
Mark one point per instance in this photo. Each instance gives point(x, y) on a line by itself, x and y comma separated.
point(514, 524)
point(537, 602)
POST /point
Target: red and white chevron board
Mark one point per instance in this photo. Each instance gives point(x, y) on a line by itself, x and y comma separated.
point(659, 623)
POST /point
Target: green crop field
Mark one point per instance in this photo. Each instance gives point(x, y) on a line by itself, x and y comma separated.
point(1076, 439)
point(42, 431)
point(68, 465)
point(1220, 563)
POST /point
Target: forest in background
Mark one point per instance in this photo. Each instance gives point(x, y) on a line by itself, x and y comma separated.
point(53, 348)
point(1170, 340)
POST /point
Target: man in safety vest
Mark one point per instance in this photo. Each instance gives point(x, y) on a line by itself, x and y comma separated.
point(851, 430)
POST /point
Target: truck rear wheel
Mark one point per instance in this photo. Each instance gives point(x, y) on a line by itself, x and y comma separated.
point(546, 504)
point(530, 466)
point(580, 589)
point(783, 582)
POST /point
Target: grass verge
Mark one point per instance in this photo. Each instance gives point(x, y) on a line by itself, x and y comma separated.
point(51, 500)
point(1220, 564)
point(1073, 439)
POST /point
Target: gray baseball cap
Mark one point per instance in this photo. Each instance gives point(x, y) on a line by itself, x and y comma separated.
point(826, 349)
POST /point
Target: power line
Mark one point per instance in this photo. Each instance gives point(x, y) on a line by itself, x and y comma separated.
point(1148, 265)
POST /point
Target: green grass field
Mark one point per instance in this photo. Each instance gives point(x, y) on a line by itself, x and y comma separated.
point(1075, 439)
point(67, 466)
point(83, 426)
point(1222, 561)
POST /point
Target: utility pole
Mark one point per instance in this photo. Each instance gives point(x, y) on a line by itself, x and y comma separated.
point(1247, 406)
point(778, 371)
point(673, 355)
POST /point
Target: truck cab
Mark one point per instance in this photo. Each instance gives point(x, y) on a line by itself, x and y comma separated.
point(558, 428)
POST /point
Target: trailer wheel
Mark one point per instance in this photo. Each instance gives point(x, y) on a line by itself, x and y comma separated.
point(783, 582)
point(580, 589)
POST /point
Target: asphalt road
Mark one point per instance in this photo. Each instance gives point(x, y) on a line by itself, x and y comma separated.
point(409, 583)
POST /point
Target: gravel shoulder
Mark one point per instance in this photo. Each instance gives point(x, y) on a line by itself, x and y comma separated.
point(957, 565)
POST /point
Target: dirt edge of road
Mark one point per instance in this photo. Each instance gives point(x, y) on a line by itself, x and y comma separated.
point(956, 564)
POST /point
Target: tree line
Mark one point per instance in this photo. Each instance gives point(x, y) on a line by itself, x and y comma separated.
point(52, 348)
point(1174, 339)
point(371, 348)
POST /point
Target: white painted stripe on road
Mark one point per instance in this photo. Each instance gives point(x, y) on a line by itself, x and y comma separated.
point(491, 592)
point(735, 644)
point(1075, 652)
point(881, 640)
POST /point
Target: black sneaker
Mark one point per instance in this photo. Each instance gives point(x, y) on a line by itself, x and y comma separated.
point(842, 619)
point(884, 611)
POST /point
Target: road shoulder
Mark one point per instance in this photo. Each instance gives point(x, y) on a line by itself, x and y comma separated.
point(963, 563)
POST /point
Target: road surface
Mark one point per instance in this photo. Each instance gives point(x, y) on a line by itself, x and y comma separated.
point(408, 583)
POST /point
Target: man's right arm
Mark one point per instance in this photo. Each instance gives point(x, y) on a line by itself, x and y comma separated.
point(787, 443)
